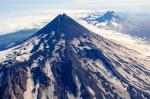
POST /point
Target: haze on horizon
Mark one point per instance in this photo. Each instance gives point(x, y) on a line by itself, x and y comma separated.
point(32, 5)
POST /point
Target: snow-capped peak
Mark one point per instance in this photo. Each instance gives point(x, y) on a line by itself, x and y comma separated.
point(64, 60)
point(109, 20)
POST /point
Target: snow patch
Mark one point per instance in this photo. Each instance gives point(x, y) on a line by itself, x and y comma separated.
point(29, 94)
point(91, 92)
point(22, 58)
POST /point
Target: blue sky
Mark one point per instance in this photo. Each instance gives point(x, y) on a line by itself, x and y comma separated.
point(28, 5)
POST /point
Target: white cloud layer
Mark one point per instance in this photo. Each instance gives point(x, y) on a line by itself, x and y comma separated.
point(28, 20)
point(127, 5)
point(123, 5)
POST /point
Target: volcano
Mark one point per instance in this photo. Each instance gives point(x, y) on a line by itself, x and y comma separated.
point(64, 60)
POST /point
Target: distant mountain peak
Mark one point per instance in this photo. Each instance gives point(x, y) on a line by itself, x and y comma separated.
point(108, 16)
point(109, 20)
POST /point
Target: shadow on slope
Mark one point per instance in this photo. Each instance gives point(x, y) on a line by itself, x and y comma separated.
point(13, 39)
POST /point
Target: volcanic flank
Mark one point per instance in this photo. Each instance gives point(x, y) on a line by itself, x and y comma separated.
point(64, 60)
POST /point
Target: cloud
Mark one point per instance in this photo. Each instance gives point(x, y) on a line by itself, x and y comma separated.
point(124, 5)
point(16, 21)
point(135, 5)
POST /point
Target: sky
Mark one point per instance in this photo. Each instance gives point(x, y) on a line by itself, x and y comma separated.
point(29, 5)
